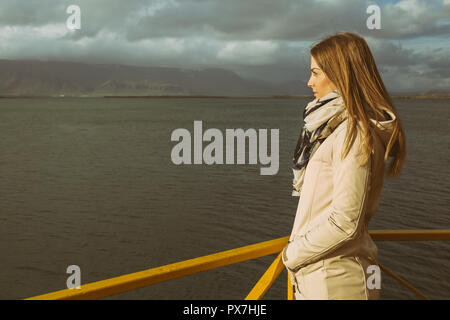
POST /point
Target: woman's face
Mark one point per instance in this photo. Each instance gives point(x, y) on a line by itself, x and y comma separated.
point(319, 82)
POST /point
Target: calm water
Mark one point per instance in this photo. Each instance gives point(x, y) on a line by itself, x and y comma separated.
point(90, 182)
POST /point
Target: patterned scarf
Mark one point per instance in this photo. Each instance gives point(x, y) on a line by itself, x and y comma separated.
point(321, 117)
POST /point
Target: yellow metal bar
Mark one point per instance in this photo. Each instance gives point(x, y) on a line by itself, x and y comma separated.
point(105, 288)
point(403, 282)
point(266, 280)
point(410, 235)
point(290, 291)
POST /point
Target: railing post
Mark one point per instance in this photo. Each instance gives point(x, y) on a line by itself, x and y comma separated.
point(266, 281)
point(290, 291)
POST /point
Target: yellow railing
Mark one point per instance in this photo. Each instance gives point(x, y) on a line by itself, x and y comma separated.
point(109, 287)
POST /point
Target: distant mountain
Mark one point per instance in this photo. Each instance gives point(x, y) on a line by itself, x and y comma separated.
point(53, 78)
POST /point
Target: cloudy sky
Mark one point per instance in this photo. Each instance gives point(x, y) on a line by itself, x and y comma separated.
point(264, 39)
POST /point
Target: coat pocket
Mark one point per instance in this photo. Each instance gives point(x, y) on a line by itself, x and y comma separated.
point(312, 282)
point(345, 278)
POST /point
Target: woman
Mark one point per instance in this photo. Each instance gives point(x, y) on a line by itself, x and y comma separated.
point(350, 130)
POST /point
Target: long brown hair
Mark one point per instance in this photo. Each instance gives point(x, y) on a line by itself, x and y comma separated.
point(347, 61)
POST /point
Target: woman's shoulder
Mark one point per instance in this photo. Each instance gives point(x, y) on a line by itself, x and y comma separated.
point(340, 138)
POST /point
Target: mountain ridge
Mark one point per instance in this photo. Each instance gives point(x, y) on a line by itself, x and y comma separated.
point(57, 78)
point(37, 78)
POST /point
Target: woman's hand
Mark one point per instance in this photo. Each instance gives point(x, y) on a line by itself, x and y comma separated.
point(284, 256)
point(290, 272)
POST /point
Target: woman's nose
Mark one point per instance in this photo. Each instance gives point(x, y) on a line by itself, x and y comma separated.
point(310, 82)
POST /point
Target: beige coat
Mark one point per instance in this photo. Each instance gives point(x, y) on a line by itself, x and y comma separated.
point(330, 249)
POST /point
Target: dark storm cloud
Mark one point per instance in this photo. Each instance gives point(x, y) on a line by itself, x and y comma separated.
point(35, 13)
point(392, 54)
point(287, 19)
point(236, 19)
point(255, 38)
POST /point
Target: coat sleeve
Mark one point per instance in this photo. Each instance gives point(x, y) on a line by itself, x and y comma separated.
point(344, 218)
